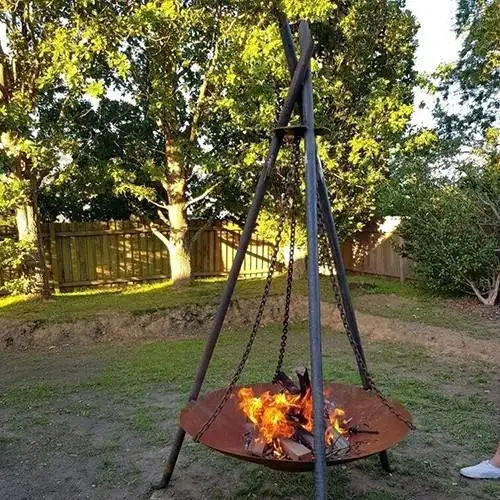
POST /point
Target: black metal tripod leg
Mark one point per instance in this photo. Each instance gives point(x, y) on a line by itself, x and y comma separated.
point(333, 240)
point(320, 479)
point(384, 461)
point(172, 460)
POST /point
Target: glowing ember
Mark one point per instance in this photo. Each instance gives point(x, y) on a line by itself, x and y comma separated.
point(279, 415)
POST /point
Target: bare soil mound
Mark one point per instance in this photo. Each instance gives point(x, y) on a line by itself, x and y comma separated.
point(193, 320)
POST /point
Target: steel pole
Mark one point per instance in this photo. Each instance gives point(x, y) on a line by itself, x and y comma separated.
point(286, 37)
point(345, 295)
point(320, 480)
point(284, 117)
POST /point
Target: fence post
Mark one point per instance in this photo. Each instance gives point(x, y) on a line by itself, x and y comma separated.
point(53, 257)
point(402, 261)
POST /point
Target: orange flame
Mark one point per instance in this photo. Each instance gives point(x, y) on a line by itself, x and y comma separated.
point(337, 420)
point(277, 415)
point(269, 412)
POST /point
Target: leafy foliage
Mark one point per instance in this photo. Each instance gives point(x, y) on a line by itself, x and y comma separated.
point(453, 233)
point(52, 54)
point(445, 182)
point(14, 254)
point(208, 78)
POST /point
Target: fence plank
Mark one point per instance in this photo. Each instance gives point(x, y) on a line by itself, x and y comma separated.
point(53, 258)
point(93, 254)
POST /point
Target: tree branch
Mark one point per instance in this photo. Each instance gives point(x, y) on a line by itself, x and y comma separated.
point(159, 235)
point(203, 195)
point(162, 217)
point(159, 205)
point(492, 292)
point(193, 128)
point(487, 201)
point(198, 108)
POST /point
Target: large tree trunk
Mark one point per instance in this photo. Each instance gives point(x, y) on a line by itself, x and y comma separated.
point(29, 230)
point(180, 260)
point(175, 186)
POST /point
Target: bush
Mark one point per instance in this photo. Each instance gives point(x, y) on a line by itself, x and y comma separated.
point(14, 258)
point(452, 235)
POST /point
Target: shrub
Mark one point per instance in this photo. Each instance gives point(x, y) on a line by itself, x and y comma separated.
point(452, 235)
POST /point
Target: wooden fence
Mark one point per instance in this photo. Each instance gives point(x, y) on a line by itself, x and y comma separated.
point(372, 252)
point(104, 253)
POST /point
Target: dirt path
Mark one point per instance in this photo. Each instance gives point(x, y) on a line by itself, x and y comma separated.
point(120, 328)
point(442, 341)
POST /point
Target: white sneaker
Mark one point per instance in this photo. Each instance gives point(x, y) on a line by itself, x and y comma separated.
point(484, 470)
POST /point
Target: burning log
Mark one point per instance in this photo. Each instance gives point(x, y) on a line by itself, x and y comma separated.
point(248, 435)
point(294, 450)
point(253, 442)
point(282, 422)
point(287, 383)
point(257, 447)
point(304, 381)
point(304, 437)
point(338, 444)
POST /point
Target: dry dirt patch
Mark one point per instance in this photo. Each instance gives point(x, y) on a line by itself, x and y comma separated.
point(120, 328)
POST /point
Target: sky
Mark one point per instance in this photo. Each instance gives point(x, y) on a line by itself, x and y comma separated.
point(436, 44)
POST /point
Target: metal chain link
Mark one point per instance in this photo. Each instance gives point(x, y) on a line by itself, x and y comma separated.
point(296, 163)
point(326, 258)
point(251, 339)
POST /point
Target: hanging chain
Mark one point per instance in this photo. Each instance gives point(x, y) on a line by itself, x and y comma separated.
point(326, 258)
point(251, 339)
point(296, 163)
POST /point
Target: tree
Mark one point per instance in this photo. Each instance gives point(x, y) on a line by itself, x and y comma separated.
point(453, 234)
point(446, 182)
point(14, 255)
point(205, 83)
point(50, 58)
point(363, 81)
point(101, 134)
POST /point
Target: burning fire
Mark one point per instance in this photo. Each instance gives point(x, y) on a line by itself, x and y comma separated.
point(278, 416)
point(337, 420)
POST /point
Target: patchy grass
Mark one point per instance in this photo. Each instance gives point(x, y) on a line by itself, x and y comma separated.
point(105, 430)
point(372, 295)
point(435, 311)
point(143, 298)
point(135, 299)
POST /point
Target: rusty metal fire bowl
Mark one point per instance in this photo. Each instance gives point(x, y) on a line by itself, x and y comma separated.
point(366, 409)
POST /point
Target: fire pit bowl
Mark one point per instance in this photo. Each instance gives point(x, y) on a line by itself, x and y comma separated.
point(366, 409)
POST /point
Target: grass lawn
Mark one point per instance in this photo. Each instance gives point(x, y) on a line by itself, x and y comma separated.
point(96, 423)
point(372, 295)
point(161, 295)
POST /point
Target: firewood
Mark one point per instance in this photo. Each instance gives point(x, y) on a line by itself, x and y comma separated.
point(339, 444)
point(248, 435)
point(304, 381)
point(257, 447)
point(296, 417)
point(287, 383)
point(294, 450)
point(304, 437)
point(253, 441)
point(329, 408)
